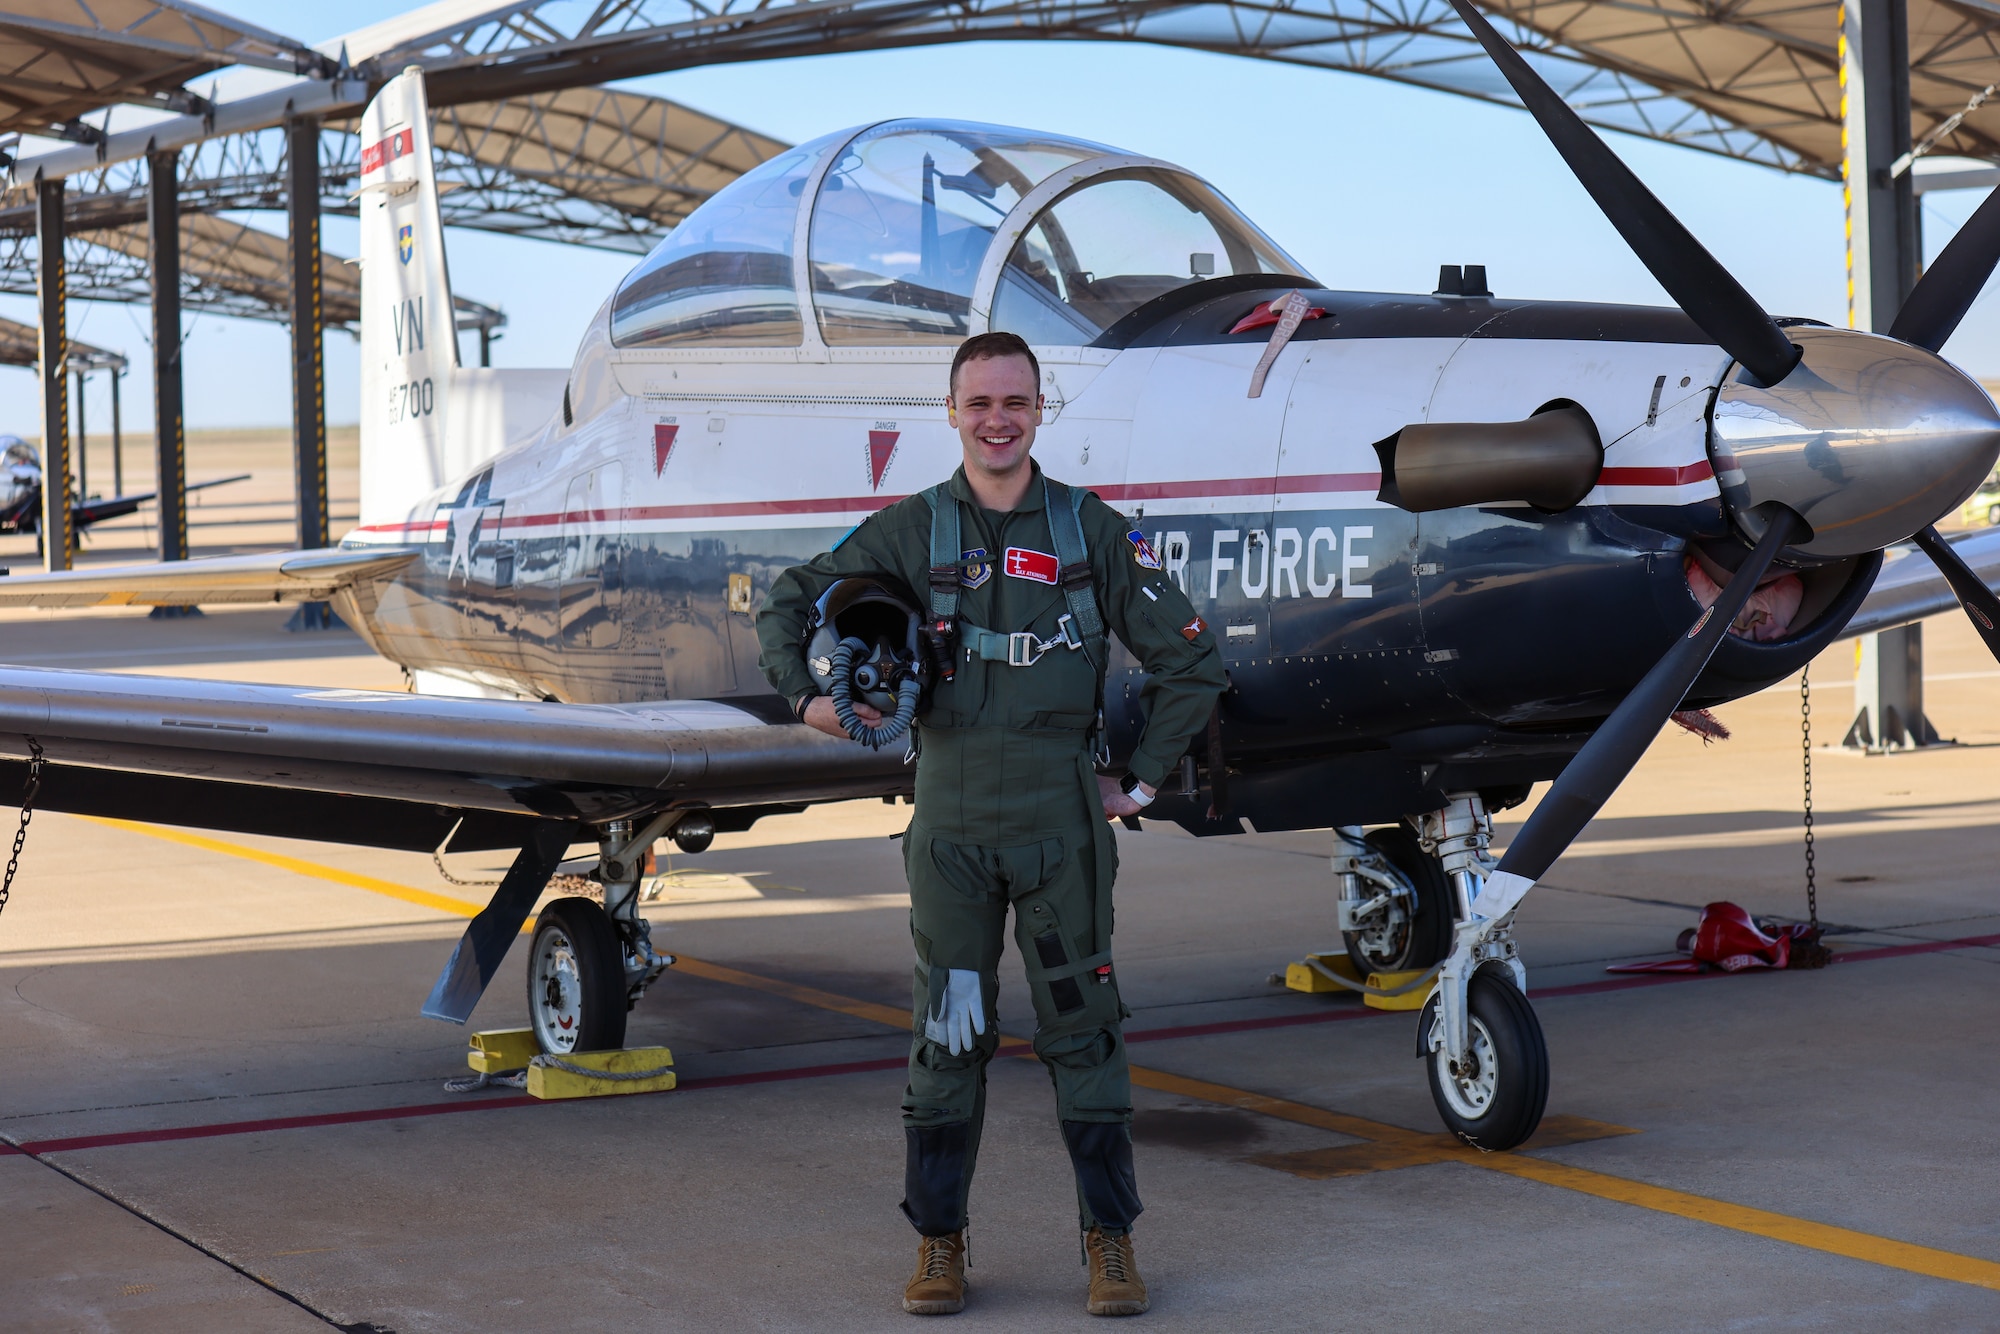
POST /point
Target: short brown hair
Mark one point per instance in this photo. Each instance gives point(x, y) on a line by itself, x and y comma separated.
point(996, 344)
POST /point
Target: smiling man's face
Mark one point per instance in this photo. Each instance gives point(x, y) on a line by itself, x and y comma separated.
point(996, 407)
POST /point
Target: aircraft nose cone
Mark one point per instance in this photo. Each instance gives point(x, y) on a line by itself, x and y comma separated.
point(1868, 440)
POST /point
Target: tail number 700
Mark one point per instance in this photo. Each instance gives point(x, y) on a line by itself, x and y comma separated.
point(412, 399)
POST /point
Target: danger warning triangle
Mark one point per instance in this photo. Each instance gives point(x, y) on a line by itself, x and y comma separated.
point(663, 446)
point(881, 448)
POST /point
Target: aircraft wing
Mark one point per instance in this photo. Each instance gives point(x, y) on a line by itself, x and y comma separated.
point(1910, 587)
point(273, 576)
point(291, 760)
point(86, 512)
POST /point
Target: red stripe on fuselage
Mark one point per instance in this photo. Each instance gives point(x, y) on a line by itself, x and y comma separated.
point(1681, 476)
point(1111, 494)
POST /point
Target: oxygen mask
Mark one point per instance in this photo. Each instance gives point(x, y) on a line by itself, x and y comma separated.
point(862, 646)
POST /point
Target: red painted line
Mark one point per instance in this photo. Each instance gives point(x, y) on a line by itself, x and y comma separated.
point(270, 1123)
point(1921, 947)
point(1014, 1048)
point(470, 1104)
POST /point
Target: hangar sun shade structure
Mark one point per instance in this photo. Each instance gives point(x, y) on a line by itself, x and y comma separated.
point(1863, 90)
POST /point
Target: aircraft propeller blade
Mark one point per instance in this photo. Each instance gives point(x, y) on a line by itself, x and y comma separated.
point(487, 937)
point(1694, 278)
point(1950, 286)
point(1590, 779)
point(1982, 608)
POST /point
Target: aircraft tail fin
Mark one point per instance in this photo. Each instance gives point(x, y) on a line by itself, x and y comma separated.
point(409, 339)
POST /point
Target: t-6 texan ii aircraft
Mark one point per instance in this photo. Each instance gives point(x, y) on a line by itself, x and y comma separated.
point(1454, 545)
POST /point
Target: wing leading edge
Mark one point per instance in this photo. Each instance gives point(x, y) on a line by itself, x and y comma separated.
point(1910, 587)
point(502, 757)
point(273, 576)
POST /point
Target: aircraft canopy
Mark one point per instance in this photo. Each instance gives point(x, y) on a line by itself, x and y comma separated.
point(924, 232)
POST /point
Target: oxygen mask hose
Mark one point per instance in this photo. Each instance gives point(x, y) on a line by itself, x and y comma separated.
point(842, 692)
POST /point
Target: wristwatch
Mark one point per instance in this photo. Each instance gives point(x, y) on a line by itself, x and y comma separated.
point(1129, 785)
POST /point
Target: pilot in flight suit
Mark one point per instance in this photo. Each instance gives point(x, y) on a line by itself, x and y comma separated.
point(1009, 812)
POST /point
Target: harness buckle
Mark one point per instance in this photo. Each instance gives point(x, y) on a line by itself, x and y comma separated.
point(1066, 632)
point(1024, 649)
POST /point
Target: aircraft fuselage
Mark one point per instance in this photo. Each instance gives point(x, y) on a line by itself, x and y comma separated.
point(1384, 657)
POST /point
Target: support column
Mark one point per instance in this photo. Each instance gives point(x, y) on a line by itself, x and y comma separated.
point(82, 441)
point(1889, 690)
point(58, 537)
point(308, 331)
point(1884, 259)
point(308, 352)
point(163, 222)
point(1884, 248)
point(117, 436)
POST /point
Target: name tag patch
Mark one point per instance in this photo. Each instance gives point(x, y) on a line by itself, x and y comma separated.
point(1038, 566)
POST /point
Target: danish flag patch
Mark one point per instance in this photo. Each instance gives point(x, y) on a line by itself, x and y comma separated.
point(1038, 566)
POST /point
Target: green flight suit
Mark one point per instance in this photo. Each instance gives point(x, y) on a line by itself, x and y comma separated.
point(1007, 805)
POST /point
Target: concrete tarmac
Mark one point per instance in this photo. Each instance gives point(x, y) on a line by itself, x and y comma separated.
point(234, 1118)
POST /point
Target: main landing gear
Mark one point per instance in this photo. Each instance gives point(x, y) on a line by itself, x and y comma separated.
point(1407, 897)
point(589, 964)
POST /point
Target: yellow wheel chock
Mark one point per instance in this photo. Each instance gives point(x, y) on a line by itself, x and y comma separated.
point(1302, 976)
point(581, 1074)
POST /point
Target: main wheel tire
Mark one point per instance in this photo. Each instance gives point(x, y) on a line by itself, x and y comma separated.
point(1413, 939)
point(1498, 1102)
point(576, 979)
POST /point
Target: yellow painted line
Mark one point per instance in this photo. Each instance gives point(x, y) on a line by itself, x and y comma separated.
point(823, 1000)
point(1883, 1251)
point(1281, 1109)
point(1757, 1222)
point(298, 866)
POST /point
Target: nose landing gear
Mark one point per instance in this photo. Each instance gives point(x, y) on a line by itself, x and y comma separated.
point(1492, 1096)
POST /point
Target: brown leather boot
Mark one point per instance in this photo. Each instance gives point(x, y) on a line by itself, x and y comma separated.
point(938, 1288)
point(1115, 1285)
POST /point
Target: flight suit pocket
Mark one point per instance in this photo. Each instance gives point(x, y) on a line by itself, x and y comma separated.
point(1048, 719)
point(962, 869)
point(1063, 991)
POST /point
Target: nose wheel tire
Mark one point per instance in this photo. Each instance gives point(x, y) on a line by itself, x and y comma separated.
point(576, 979)
point(1494, 1099)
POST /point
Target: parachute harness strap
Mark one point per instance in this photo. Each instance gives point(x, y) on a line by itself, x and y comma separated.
point(32, 790)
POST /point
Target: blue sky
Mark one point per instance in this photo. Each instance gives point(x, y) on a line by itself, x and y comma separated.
point(1370, 184)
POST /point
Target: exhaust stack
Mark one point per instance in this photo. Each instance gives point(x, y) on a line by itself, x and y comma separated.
point(1551, 461)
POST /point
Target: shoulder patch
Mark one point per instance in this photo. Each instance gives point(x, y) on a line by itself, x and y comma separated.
point(1193, 628)
point(1142, 550)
